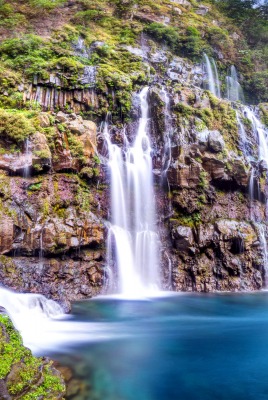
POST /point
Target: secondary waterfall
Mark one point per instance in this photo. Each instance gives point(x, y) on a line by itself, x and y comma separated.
point(30, 314)
point(27, 159)
point(261, 134)
point(132, 238)
point(213, 82)
point(234, 91)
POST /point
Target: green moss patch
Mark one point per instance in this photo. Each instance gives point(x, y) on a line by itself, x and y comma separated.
point(26, 376)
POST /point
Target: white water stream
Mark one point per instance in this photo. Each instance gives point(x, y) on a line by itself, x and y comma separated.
point(132, 239)
point(233, 87)
point(261, 134)
point(44, 326)
point(213, 81)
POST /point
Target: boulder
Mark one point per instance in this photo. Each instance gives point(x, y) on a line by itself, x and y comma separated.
point(184, 3)
point(202, 138)
point(232, 229)
point(215, 141)
point(206, 235)
point(41, 154)
point(202, 10)
point(215, 167)
point(184, 176)
point(183, 237)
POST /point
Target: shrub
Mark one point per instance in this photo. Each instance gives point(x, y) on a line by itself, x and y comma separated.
point(69, 65)
point(86, 17)
point(163, 33)
point(46, 4)
point(14, 126)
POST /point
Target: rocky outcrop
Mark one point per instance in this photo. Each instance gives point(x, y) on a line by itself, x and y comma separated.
point(225, 255)
point(53, 186)
point(51, 238)
point(21, 374)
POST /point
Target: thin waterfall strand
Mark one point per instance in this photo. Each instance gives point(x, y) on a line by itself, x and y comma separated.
point(213, 81)
point(233, 87)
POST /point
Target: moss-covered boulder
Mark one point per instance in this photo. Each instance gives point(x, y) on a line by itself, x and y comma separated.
point(23, 376)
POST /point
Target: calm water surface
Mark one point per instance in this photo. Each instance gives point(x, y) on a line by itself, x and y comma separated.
point(185, 347)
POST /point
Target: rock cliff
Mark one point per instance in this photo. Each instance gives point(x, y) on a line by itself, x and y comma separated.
point(63, 69)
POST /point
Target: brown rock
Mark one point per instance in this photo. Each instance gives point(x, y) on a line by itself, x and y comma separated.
point(6, 233)
point(184, 176)
point(215, 167)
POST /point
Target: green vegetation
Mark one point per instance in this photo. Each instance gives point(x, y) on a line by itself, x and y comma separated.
point(219, 116)
point(14, 126)
point(188, 220)
point(28, 368)
point(46, 4)
point(35, 187)
point(188, 45)
point(250, 17)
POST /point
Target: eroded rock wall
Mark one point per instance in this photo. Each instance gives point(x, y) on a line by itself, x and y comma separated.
point(54, 181)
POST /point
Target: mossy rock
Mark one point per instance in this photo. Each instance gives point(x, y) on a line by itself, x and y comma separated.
point(21, 374)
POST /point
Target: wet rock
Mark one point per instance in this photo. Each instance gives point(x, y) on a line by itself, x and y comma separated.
point(215, 167)
point(44, 120)
point(61, 117)
point(15, 163)
point(41, 154)
point(202, 138)
point(62, 279)
point(158, 57)
point(215, 141)
point(183, 237)
point(4, 395)
point(206, 235)
point(6, 234)
point(202, 10)
point(184, 3)
point(237, 230)
point(184, 176)
point(239, 172)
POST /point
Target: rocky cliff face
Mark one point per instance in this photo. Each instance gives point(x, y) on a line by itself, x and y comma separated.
point(51, 230)
point(54, 186)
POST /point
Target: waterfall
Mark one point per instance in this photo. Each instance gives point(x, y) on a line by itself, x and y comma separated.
point(44, 326)
point(213, 82)
point(260, 132)
point(27, 159)
point(132, 237)
point(264, 246)
point(233, 87)
point(242, 135)
point(261, 135)
point(30, 314)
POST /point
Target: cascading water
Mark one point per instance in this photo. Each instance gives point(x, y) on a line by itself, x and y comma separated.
point(212, 76)
point(233, 87)
point(30, 313)
point(261, 134)
point(242, 135)
point(132, 238)
point(27, 159)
